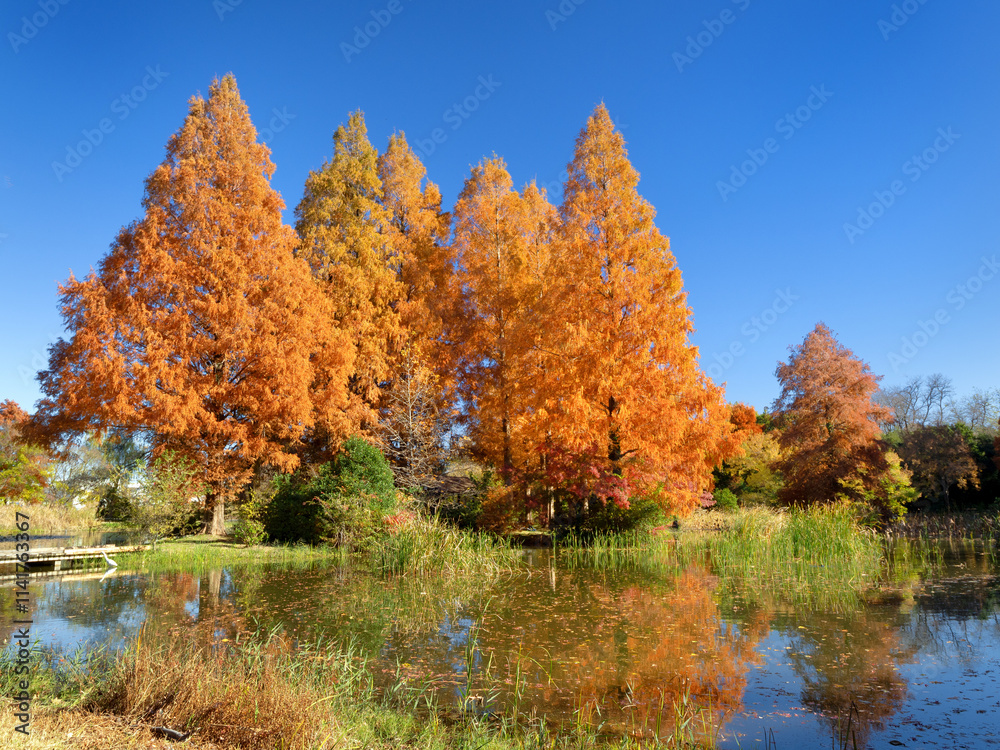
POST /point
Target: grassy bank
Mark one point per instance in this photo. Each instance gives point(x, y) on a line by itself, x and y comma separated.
point(265, 694)
point(203, 551)
point(421, 547)
point(431, 546)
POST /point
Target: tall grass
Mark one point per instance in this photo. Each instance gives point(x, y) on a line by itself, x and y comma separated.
point(430, 546)
point(47, 518)
point(824, 542)
point(819, 555)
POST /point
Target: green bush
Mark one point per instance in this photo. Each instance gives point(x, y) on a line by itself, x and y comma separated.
point(606, 518)
point(114, 505)
point(725, 500)
point(249, 527)
point(343, 501)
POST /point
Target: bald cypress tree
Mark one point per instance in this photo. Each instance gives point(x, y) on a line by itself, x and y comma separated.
point(200, 328)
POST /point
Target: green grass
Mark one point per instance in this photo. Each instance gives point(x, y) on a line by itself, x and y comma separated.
point(202, 551)
point(814, 556)
point(431, 546)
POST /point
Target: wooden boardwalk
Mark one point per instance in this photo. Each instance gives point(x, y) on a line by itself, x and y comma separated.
point(51, 559)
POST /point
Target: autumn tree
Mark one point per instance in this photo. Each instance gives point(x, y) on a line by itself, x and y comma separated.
point(343, 226)
point(417, 230)
point(25, 469)
point(629, 387)
point(419, 394)
point(751, 474)
point(200, 326)
point(940, 460)
point(830, 427)
point(499, 329)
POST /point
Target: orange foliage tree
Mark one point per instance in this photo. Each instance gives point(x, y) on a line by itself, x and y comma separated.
point(419, 396)
point(830, 427)
point(201, 329)
point(499, 330)
point(629, 392)
point(344, 228)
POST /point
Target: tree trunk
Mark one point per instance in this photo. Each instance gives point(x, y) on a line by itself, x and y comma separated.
point(614, 439)
point(215, 515)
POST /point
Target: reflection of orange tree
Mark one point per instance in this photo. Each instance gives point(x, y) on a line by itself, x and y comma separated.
point(852, 661)
point(182, 599)
point(653, 648)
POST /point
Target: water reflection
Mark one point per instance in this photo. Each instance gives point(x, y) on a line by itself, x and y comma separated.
point(621, 646)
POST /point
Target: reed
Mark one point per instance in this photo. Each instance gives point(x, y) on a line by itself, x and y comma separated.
point(48, 518)
point(268, 693)
point(430, 546)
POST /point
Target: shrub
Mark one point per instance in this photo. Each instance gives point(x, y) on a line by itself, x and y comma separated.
point(162, 506)
point(343, 501)
point(114, 505)
point(725, 500)
point(500, 509)
point(607, 518)
point(249, 527)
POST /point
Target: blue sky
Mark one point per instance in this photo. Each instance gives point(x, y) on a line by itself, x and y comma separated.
point(809, 161)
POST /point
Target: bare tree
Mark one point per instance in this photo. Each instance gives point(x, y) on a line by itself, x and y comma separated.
point(935, 400)
point(414, 426)
point(904, 402)
point(980, 410)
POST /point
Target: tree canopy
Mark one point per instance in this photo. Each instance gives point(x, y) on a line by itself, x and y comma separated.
point(200, 326)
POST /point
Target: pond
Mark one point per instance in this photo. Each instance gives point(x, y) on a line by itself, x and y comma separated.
point(914, 663)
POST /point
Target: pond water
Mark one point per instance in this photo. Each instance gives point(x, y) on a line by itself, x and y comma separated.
point(915, 664)
point(82, 538)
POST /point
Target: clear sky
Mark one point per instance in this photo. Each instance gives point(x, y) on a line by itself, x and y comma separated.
point(760, 130)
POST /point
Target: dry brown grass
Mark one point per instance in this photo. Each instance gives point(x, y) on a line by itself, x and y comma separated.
point(45, 518)
point(252, 697)
point(54, 729)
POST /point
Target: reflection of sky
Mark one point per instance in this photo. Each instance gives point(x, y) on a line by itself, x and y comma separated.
point(76, 539)
point(773, 702)
point(65, 617)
